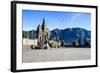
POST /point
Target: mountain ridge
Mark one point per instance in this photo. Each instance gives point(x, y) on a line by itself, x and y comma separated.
point(67, 35)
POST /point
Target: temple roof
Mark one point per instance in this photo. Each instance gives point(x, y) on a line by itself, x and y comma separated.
point(39, 29)
point(44, 27)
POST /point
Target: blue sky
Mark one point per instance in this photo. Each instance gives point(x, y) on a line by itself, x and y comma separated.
point(61, 20)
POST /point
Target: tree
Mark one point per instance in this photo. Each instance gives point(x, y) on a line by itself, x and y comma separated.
point(86, 43)
point(57, 39)
point(25, 34)
point(75, 43)
point(79, 41)
point(62, 43)
point(53, 44)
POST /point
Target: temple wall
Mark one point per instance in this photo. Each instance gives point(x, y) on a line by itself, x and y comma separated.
point(30, 42)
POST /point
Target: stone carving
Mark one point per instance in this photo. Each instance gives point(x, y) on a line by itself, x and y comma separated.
point(43, 34)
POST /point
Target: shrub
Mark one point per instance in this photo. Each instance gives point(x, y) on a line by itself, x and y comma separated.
point(75, 43)
point(54, 44)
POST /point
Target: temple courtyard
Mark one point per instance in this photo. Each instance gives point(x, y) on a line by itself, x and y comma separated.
point(55, 54)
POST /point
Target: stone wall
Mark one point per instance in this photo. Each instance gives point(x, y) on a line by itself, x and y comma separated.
point(30, 42)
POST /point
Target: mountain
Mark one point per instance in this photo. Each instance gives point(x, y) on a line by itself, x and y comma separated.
point(67, 35)
point(30, 34)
